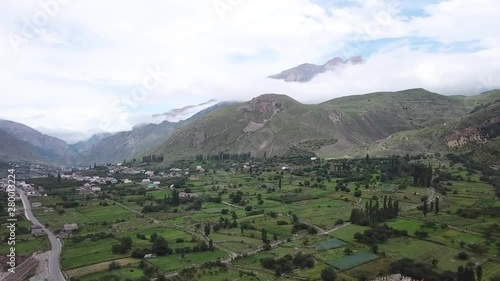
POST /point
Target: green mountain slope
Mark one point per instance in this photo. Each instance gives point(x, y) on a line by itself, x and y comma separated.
point(477, 132)
point(276, 124)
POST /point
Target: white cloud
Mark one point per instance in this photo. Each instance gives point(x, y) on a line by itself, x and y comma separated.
point(93, 53)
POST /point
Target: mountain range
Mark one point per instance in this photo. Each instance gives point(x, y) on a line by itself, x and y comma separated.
point(20, 142)
point(384, 123)
point(344, 127)
point(305, 72)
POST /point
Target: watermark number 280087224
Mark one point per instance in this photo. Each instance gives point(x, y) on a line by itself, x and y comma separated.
point(11, 221)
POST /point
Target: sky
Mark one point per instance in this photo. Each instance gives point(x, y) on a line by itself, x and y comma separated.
point(73, 68)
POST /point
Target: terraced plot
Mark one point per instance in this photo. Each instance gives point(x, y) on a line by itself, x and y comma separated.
point(353, 260)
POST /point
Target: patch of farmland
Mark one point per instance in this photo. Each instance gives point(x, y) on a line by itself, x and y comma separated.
point(491, 270)
point(352, 261)
point(330, 244)
point(99, 267)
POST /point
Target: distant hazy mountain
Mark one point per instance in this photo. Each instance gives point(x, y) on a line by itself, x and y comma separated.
point(48, 148)
point(139, 140)
point(85, 145)
point(12, 148)
point(276, 124)
point(305, 72)
point(183, 113)
point(18, 141)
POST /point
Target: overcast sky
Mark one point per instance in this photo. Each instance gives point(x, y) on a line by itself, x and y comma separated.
point(72, 67)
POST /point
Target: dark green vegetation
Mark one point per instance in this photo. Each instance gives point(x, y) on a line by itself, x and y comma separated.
point(428, 216)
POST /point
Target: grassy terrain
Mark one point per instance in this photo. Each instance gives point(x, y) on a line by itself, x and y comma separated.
point(304, 196)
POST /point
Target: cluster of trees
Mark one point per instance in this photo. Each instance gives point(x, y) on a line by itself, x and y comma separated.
point(172, 201)
point(434, 206)
point(422, 175)
point(422, 271)
point(288, 263)
point(474, 212)
point(224, 156)
point(156, 208)
point(374, 213)
point(92, 237)
point(160, 247)
point(152, 158)
point(123, 246)
point(225, 223)
point(378, 234)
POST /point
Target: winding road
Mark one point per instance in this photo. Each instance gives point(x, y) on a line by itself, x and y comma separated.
point(55, 244)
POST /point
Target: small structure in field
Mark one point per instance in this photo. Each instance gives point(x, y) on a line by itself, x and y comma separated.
point(70, 228)
point(37, 230)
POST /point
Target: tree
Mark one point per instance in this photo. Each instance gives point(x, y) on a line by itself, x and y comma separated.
point(436, 206)
point(279, 183)
point(264, 236)
point(425, 208)
point(469, 274)
point(479, 272)
point(348, 251)
point(375, 248)
point(211, 245)
point(207, 229)
point(58, 177)
point(328, 274)
point(160, 247)
point(113, 266)
point(175, 198)
point(421, 234)
point(434, 262)
point(160, 277)
point(357, 193)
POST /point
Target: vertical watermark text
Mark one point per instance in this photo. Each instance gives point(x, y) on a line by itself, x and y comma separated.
point(11, 221)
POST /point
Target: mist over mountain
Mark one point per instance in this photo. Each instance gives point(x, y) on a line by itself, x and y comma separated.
point(178, 114)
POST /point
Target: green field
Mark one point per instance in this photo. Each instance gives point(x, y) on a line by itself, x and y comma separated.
point(357, 259)
point(239, 212)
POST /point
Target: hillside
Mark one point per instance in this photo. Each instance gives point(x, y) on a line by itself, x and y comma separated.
point(12, 148)
point(477, 132)
point(276, 124)
point(128, 144)
point(50, 149)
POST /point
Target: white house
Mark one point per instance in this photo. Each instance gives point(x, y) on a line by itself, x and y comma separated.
point(96, 189)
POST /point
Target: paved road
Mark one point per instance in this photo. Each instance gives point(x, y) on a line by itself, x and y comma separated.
point(55, 252)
